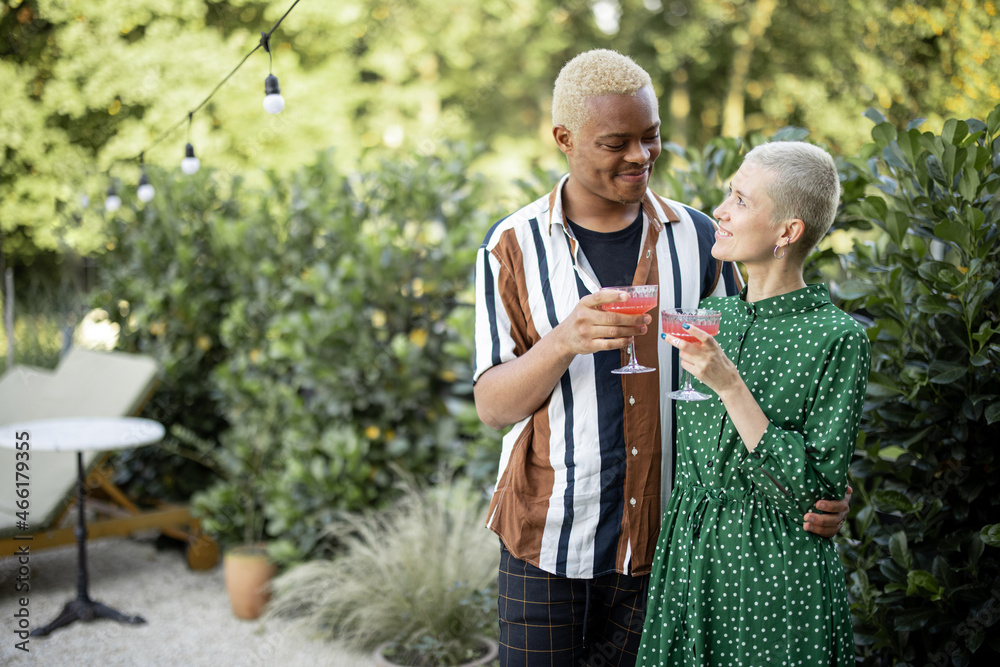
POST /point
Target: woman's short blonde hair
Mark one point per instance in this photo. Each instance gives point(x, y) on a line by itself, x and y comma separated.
point(590, 74)
point(804, 184)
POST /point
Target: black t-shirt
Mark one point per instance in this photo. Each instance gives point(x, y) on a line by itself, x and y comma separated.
point(613, 255)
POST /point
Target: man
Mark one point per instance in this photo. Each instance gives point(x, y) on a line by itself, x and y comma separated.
point(578, 499)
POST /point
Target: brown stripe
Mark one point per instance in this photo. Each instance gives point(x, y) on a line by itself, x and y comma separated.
point(513, 290)
point(521, 501)
point(641, 393)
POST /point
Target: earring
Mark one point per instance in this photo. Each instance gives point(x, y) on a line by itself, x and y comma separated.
point(776, 255)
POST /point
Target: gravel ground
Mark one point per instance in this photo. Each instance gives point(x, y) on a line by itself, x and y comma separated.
point(188, 619)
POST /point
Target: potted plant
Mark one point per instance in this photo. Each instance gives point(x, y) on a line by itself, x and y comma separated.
point(415, 583)
point(232, 509)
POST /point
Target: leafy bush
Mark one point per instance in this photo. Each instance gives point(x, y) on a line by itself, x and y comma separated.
point(925, 590)
point(421, 575)
point(341, 299)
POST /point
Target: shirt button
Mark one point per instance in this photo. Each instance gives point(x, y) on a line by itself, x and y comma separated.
point(711, 463)
point(749, 310)
point(635, 452)
point(632, 502)
point(739, 337)
point(631, 400)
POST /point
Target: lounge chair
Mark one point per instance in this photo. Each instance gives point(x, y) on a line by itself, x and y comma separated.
point(85, 384)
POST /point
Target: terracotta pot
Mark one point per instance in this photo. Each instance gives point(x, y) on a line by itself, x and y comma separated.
point(248, 574)
point(488, 657)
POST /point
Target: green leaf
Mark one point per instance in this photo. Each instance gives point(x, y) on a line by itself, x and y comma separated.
point(917, 579)
point(854, 289)
point(990, 535)
point(884, 134)
point(909, 145)
point(874, 207)
point(933, 304)
point(893, 571)
point(993, 120)
point(976, 549)
point(908, 620)
point(875, 116)
point(954, 131)
point(896, 223)
point(790, 133)
point(955, 232)
point(993, 413)
point(899, 549)
point(976, 217)
point(890, 500)
point(936, 170)
point(943, 372)
point(889, 384)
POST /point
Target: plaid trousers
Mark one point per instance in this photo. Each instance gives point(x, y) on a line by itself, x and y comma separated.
point(552, 621)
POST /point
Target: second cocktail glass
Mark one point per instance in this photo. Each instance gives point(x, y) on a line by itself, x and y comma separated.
point(641, 299)
point(674, 320)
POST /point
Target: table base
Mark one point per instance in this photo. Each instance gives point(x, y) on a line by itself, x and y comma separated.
point(85, 609)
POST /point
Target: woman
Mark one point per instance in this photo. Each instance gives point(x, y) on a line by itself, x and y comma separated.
point(736, 580)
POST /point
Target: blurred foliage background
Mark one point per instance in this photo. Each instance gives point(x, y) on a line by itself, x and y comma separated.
point(307, 292)
point(89, 83)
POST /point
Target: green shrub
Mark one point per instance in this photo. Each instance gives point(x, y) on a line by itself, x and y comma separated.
point(164, 282)
point(342, 299)
point(924, 588)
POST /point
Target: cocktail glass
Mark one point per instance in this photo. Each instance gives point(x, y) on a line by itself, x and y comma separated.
point(641, 299)
point(674, 320)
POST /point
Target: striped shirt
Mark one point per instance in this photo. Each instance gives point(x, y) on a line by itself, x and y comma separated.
point(571, 498)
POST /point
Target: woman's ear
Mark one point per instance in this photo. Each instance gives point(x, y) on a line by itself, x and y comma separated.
point(793, 229)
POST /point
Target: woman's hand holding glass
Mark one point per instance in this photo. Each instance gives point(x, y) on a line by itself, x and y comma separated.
point(700, 354)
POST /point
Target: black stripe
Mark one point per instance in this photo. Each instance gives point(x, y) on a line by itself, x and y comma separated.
point(543, 271)
point(566, 384)
point(562, 555)
point(491, 308)
point(675, 365)
point(490, 294)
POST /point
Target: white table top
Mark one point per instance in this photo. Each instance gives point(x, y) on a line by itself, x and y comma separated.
point(81, 434)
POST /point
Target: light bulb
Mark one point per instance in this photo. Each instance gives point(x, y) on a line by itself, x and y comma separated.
point(273, 101)
point(190, 164)
point(112, 202)
point(146, 192)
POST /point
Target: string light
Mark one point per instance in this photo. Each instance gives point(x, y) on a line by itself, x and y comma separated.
point(112, 202)
point(273, 103)
point(190, 164)
point(145, 192)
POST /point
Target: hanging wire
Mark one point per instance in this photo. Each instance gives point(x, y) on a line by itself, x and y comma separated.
point(265, 42)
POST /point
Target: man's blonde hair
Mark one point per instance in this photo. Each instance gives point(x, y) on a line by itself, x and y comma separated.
point(590, 74)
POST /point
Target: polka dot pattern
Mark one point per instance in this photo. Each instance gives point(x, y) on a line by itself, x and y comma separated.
point(736, 580)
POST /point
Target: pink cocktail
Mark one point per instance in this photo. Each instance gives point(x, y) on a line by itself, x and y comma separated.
point(676, 328)
point(674, 320)
point(636, 305)
point(641, 299)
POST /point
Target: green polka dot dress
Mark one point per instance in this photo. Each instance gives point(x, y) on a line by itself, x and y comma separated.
point(736, 580)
